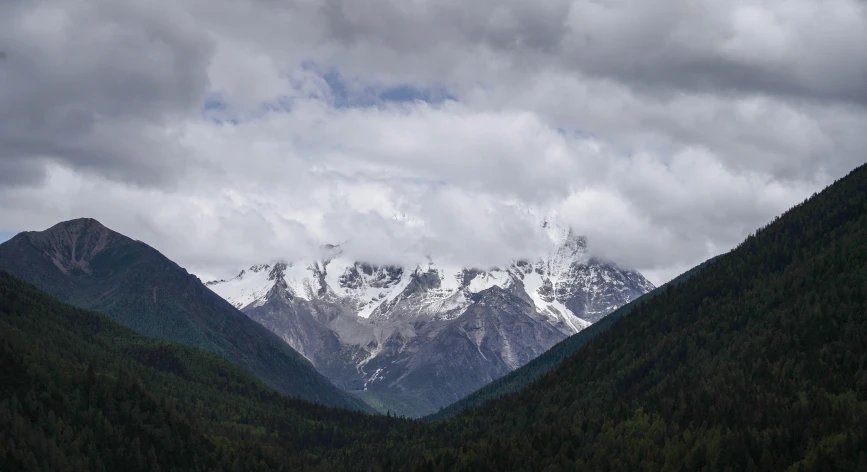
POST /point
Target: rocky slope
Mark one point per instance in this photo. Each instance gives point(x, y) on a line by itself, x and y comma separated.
point(415, 339)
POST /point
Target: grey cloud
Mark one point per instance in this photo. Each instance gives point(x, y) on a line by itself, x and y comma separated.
point(676, 45)
point(666, 131)
point(507, 154)
point(413, 27)
point(790, 140)
point(21, 172)
point(215, 236)
point(777, 48)
point(94, 84)
point(655, 217)
point(781, 48)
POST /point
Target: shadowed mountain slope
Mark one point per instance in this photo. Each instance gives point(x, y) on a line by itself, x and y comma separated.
point(88, 265)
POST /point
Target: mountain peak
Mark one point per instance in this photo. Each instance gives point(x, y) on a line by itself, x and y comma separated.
point(278, 271)
point(77, 225)
point(85, 263)
point(71, 245)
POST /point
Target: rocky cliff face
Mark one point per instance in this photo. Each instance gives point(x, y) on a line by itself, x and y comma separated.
point(414, 339)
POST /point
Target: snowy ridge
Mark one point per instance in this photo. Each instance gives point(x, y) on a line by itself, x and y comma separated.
point(431, 331)
point(379, 293)
point(247, 287)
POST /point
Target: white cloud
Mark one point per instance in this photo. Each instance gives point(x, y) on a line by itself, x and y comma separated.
point(665, 132)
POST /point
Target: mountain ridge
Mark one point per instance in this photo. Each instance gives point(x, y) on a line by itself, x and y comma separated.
point(84, 263)
point(536, 368)
point(368, 327)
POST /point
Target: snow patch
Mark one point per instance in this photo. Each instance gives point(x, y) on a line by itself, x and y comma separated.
point(247, 287)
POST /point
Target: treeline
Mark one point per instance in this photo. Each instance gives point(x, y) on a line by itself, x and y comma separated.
point(80, 392)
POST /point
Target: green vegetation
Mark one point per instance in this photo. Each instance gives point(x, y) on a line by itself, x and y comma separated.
point(80, 392)
point(527, 374)
point(141, 289)
point(757, 361)
point(405, 404)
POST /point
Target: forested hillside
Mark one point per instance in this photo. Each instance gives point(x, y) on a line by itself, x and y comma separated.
point(80, 392)
point(524, 376)
point(90, 266)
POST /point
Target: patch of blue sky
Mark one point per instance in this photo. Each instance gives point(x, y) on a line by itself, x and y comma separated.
point(576, 133)
point(409, 93)
point(343, 94)
point(216, 110)
point(214, 101)
point(346, 94)
point(6, 235)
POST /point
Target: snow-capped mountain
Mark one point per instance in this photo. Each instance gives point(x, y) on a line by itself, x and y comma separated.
point(414, 339)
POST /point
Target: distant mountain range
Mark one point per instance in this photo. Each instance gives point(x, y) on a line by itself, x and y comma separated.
point(409, 340)
point(88, 265)
point(414, 339)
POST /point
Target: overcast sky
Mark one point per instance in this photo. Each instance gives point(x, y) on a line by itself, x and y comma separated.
point(229, 132)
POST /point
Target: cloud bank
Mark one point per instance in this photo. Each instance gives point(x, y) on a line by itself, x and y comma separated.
point(228, 132)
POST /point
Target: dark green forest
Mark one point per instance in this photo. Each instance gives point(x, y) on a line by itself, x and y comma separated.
point(141, 289)
point(80, 392)
point(758, 361)
point(525, 375)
